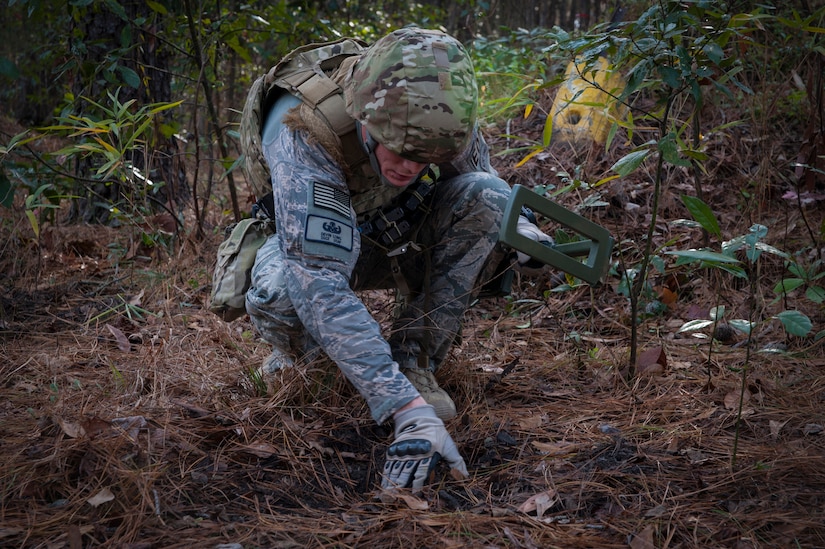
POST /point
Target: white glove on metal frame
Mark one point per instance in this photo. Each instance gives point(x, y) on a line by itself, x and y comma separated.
point(421, 440)
point(528, 229)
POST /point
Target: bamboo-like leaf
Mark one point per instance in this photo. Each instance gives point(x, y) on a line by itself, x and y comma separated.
point(159, 107)
point(524, 160)
point(694, 325)
point(547, 133)
point(704, 255)
point(702, 213)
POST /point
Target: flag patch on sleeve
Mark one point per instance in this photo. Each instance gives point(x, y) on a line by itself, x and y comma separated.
point(331, 198)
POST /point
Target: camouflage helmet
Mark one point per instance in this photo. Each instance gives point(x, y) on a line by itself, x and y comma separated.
point(415, 92)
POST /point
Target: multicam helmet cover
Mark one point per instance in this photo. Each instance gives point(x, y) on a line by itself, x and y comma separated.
point(415, 92)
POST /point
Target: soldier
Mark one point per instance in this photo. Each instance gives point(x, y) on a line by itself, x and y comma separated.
point(422, 215)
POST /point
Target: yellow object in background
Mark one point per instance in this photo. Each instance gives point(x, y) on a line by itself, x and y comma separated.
point(584, 111)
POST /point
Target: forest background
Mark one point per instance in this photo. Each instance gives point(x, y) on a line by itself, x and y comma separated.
point(677, 403)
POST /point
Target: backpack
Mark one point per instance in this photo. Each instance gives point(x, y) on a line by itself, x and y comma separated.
point(305, 74)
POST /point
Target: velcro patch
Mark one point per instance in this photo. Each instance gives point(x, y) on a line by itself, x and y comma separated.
point(331, 198)
point(329, 231)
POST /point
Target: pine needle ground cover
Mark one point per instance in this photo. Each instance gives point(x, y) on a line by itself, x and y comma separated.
point(129, 416)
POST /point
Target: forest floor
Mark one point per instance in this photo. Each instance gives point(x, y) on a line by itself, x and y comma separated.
point(129, 418)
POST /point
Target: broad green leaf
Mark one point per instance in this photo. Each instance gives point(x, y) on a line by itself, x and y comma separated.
point(816, 294)
point(628, 163)
point(611, 133)
point(714, 52)
point(242, 52)
point(795, 323)
point(8, 69)
point(129, 76)
point(735, 270)
point(117, 9)
point(670, 76)
point(787, 285)
point(717, 313)
point(767, 248)
point(156, 7)
point(797, 270)
point(702, 213)
point(744, 326)
point(670, 152)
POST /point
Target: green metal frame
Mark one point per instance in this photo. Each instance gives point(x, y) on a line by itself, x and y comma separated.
point(597, 246)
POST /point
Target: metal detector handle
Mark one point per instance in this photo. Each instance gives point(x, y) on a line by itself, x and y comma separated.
point(597, 246)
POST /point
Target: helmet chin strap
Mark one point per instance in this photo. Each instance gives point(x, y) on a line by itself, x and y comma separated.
point(370, 144)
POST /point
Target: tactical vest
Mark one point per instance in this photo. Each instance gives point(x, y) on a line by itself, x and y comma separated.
point(304, 73)
point(314, 74)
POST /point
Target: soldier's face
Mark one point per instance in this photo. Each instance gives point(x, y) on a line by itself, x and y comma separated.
point(398, 171)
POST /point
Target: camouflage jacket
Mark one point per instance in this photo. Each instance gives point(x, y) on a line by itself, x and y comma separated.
point(318, 206)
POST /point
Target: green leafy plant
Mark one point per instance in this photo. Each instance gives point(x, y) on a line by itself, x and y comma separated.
point(128, 308)
point(752, 246)
point(674, 52)
point(513, 68)
point(110, 135)
point(257, 379)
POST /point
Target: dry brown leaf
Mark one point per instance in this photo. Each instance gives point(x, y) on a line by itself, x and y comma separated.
point(776, 427)
point(136, 300)
point(70, 428)
point(667, 296)
point(259, 449)
point(652, 361)
point(644, 539)
point(732, 399)
point(456, 474)
point(655, 512)
point(555, 448)
point(413, 502)
point(94, 426)
point(539, 503)
point(532, 421)
point(122, 341)
point(131, 425)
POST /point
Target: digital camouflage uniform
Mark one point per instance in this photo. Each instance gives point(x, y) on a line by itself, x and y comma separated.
point(304, 283)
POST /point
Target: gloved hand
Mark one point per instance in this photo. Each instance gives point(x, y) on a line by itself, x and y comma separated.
point(528, 229)
point(421, 440)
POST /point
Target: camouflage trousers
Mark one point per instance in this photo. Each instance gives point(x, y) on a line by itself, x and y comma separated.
point(456, 250)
